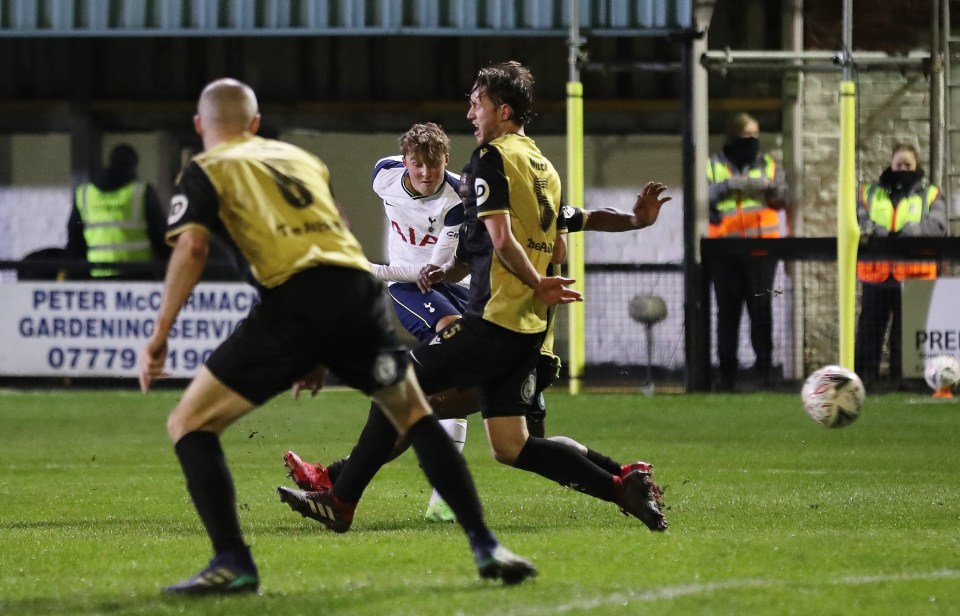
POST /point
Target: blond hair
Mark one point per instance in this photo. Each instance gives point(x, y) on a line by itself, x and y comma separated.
point(427, 142)
point(738, 123)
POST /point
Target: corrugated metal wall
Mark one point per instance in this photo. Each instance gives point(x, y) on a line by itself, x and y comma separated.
point(71, 18)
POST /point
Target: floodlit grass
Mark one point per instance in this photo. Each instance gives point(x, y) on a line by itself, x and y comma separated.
point(769, 513)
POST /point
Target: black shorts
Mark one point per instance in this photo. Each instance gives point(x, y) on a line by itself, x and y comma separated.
point(335, 316)
point(499, 363)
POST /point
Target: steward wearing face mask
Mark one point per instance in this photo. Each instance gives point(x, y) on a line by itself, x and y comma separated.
point(747, 188)
point(900, 203)
point(747, 191)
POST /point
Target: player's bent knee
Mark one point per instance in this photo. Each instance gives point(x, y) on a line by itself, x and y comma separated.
point(507, 436)
point(207, 405)
point(505, 456)
point(184, 420)
point(403, 402)
point(176, 426)
point(205, 420)
point(506, 451)
point(569, 442)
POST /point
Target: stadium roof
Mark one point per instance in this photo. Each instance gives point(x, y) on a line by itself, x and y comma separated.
point(192, 18)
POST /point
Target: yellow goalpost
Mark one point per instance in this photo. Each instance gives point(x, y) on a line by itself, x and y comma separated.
point(576, 354)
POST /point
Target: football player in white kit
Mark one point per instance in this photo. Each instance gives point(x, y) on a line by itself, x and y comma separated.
point(422, 203)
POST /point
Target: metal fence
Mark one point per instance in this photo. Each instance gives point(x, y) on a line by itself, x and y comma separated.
point(804, 306)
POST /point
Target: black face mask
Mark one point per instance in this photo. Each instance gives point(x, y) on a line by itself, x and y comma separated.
point(742, 151)
point(903, 180)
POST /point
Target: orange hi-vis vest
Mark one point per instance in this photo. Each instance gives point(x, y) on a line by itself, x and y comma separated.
point(741, 216)
point(883, 212)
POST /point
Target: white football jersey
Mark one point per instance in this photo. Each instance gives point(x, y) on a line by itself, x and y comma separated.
point(423, 229)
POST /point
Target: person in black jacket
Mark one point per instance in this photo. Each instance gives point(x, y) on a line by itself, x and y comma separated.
point(116, 218)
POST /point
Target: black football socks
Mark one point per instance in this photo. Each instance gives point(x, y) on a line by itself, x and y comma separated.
point(448, 474)
point(567, 467)
point(211, 487)
point(374, 448)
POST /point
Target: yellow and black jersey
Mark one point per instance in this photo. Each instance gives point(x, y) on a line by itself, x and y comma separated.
point(510, 176)
point(271, 202)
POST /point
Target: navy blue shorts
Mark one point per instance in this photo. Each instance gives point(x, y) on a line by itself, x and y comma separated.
point(334, 316)
point(419, 312)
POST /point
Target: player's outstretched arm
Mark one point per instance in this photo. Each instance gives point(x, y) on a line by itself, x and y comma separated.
point(646, 210)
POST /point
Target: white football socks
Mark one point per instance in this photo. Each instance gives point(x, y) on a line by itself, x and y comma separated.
point(457, 430)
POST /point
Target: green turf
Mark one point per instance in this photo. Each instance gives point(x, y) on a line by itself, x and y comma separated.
point(769, 513)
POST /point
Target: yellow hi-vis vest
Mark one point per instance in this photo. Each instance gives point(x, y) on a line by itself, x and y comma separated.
point(742, 216)
point(883, 212)
point(114, 225)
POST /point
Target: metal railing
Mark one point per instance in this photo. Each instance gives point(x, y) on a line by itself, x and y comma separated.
point(806, 320)
point(73, 270)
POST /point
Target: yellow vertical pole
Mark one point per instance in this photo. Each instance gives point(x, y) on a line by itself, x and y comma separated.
point(575, 241)
point(848, 230)
point(573, 193)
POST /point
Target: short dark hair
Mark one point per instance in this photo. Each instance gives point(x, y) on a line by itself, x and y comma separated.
point(509, 83)
point(123, 157)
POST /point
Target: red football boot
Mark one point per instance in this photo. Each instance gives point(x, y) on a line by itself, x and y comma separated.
point(321, 506)
point(310, 477)
point(647, 468)
point(639, 500)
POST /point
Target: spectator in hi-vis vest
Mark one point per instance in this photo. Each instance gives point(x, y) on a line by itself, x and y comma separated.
point(116, 218)
point(747, 190)
point(901, 203)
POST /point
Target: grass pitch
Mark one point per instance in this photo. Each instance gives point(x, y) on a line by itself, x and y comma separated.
point(769, 513)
